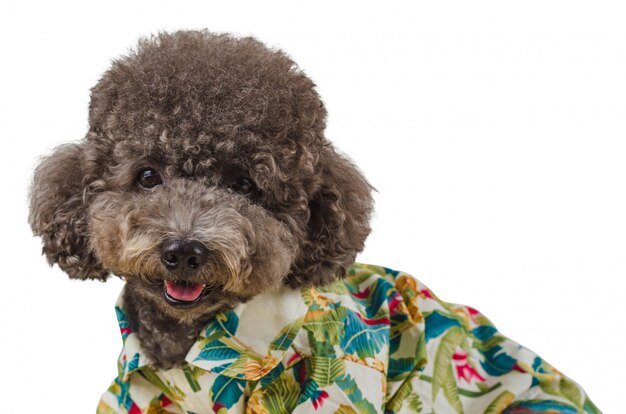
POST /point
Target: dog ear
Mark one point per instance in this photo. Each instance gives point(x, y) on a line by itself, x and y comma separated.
point(58, 208)
point(338, 225)
point(103, 99)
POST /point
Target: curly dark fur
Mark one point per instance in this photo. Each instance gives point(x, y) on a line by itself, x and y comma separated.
point(203, 110)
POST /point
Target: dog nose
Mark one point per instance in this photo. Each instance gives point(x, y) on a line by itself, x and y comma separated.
point(183, 256)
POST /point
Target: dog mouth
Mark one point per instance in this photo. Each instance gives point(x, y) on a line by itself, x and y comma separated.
point(178, 292)
point(183, 294)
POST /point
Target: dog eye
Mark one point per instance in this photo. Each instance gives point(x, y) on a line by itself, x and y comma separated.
point(149, 178)
point(243, 185)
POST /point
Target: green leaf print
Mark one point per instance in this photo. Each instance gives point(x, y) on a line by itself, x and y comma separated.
point(281, 396)
point(405, 396)
point(326, 326)
point(224, 324)
point(286, 335)
point(569, 389)
point(174, 393)
point(338, 288)
point(234, 369)
point(414, 403)
point(395, 403)
point(484, 346)
point(443, 366)
point(590, 407)
point(363, 337)
point(191, 375)
point(217, 351)
point(451, 391)
point(321, 348)
point(226, 390)
point(500, 403)
point(549, 384)
point(354, 279)
point(345, 409)
point(400, 368)
point(325, 370)
point(352, 391)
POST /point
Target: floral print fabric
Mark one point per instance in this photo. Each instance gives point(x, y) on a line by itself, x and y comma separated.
point(376, 342)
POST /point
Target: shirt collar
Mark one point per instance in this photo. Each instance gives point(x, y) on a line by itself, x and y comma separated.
point(246, 342)
point(132, 357)
point(252, 339)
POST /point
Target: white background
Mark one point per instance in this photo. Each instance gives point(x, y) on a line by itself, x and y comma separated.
point(493, 131)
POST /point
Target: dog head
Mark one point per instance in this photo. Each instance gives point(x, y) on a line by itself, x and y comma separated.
point(205, 178)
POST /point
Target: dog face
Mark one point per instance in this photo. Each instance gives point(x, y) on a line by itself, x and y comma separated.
point(204, 179)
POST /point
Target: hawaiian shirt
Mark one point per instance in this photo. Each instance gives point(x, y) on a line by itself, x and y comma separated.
point(377, 341)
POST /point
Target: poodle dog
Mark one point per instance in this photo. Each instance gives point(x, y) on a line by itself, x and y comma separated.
point(205, 182)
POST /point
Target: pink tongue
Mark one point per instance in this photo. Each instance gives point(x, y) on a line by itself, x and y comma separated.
point(182, 291)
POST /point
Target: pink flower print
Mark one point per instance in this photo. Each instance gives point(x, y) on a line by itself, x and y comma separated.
point(318, 400)
point(473, 313)
point(426, 293)
point(463, 369)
